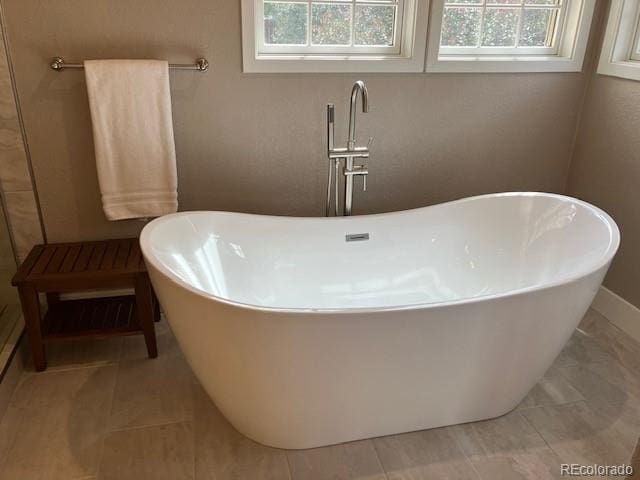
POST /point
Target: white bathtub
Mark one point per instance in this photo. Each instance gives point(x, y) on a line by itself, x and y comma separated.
point(446, 314)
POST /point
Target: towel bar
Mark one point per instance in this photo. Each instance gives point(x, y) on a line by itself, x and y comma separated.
point(201, 65)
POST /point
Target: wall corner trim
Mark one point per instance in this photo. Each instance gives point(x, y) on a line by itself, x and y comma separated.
point(618, 311)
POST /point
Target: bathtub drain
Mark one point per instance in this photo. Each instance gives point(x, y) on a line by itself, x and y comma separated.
point(356, 237)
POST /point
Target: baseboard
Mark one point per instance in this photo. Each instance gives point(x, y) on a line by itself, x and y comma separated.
point(618, 311)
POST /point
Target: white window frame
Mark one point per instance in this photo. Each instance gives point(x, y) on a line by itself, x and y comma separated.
point(566, 56)
point(408, 56)
point(619, 56)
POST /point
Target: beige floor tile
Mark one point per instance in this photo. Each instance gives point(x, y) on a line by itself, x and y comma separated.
point(423, 455)
point(578, 434)
point(164, 452)
point(595, 385)
point(582, 348)
point(152, 391)
point(507, 434)
point(623, 378)
point(507, 447)
point(534, 465)
point(12, 419)
point(615, 407)
point(82, 353)
point(552, 389)
point(222, 453)
point(614, 341)
point(347, 461)
point(57, 424)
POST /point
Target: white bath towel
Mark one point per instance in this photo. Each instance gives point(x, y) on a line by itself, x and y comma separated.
point(130, 103)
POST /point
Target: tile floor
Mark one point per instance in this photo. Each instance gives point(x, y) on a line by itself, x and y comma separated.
point(104, 411)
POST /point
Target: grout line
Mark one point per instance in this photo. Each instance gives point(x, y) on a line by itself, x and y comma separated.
point(572, 402)
point(619, 331)
point(526, 409)
point(466, 457)
point(70, 368)
point(526, 420)
point(473, 467)
point(103, 437)
point(115, 387)
point(286, 457)
point(150, 425)
point(375, 449)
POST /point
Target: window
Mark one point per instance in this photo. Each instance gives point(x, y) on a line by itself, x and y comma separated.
point(354, 27)
point(502, 27)
point(334, 35)
point(508, 35)
point(620, 55)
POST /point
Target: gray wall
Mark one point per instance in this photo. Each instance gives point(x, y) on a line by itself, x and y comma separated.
point(255, 143)
point(606, 171)
point(605, 168)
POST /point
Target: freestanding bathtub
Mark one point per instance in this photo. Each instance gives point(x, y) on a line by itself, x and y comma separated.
point(443, 315)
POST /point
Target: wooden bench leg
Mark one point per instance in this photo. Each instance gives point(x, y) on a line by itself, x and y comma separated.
point(144, 304)
point(156, 306)
point(52, 298)
point(31, 310)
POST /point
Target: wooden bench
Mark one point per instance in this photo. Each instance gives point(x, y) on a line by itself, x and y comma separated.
point(72, 267)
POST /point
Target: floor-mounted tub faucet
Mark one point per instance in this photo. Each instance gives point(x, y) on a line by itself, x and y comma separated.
point(348, 154)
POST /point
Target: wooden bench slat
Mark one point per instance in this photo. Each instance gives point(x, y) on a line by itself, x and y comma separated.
point(109, 256)
point(44, 260)
point(124, 249)
point(134, 257)
point(56, 261)
point(83, 259)
point(96, 256)
point(70, 259)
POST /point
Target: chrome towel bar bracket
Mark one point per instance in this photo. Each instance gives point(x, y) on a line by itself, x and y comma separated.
point(201, 65)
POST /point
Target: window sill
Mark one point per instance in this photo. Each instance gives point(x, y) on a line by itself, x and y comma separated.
point(624, 69)
point(332, 64)
point(503, 64)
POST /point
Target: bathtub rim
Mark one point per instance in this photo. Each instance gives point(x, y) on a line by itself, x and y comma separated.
point(604, 261)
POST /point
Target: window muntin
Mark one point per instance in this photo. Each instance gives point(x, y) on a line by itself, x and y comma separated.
point(635, 48)
point(329, 27)
point(494, 27)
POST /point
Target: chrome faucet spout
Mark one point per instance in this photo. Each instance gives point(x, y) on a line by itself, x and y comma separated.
point(358, 87)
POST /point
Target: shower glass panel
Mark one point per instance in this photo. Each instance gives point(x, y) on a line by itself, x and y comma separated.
point(9, 302)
